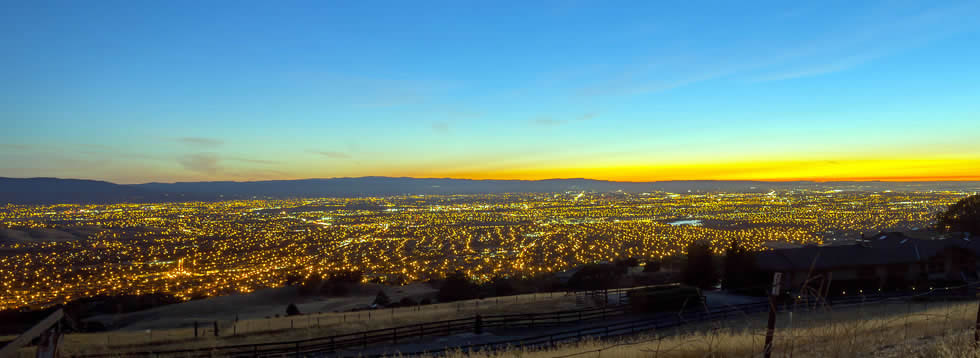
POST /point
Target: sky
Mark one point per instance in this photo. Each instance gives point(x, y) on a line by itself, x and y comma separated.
point(164, 91)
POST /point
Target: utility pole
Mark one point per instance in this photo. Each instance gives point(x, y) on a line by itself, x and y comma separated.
point(976, 331)
point(771, 327)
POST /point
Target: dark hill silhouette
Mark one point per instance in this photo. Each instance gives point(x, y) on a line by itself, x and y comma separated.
point(53, 190)
point(74, 191)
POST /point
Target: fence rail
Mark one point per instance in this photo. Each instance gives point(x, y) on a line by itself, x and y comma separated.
point(393, 335)
point(676, 319)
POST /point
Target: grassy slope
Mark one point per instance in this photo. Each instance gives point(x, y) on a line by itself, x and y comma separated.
point(894, 330)
point(308, 326)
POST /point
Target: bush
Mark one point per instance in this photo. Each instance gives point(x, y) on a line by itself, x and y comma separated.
point(964, 216)
point(700, 269)
point(500, 286)
point(340, 283)
point(596, 277)
point(665, 299)
point(292, 310)
point(311, 284)
point(652, 266)
point(457, 286)
point(382, 299)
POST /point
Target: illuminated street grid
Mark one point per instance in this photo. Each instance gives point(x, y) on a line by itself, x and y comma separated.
point(193, 249)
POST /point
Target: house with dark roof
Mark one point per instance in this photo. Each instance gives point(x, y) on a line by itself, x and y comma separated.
point(886, 261)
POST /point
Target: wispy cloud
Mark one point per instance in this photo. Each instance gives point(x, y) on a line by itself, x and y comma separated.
point(440, 127)
point(545, 121)
point(252, 160)
point(548, 122)
point(880, 36)
point(207, 163)
point(6, 146)
point(201, 141)
point(331, 154)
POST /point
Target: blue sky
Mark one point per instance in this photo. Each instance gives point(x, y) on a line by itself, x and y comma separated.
point(169, 91)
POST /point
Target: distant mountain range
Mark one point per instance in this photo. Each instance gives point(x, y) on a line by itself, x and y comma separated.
point(54, 190)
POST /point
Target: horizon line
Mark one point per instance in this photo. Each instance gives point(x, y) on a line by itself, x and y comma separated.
point(936, 179)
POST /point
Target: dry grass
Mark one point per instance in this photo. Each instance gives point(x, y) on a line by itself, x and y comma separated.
point(307, 326)
point(893, 330)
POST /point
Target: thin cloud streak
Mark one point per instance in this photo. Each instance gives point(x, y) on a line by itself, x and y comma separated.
point(332, 154)
point(201, 141)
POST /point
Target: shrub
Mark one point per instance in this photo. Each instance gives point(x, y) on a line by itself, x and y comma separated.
point(457, 286)
point(382, 299)
point(292, 310)
point(700, 269)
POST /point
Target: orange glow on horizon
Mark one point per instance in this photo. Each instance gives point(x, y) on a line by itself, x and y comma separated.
point(808, 170)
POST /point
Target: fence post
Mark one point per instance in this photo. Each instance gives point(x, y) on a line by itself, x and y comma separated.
point(215, 328)
point(771, 326)
point(976, 331)
point(478, 324)
point(195, 329)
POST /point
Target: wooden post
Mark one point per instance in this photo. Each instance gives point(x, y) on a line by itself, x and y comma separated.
point(215, 328)
point(195, 329)
point(976, 331)
point(478, 324)
point(771, 326)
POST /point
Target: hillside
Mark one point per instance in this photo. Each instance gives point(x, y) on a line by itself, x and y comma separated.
point(53, 190)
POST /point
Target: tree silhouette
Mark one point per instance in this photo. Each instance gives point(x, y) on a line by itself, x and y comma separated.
point(457, 287)
point(596, 277)
point(382, 299)
point(292, 310)
point(741, 271)
point(700, 269)
point(964, 216)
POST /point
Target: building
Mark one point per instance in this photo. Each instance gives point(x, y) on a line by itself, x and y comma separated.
point(883, 262)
